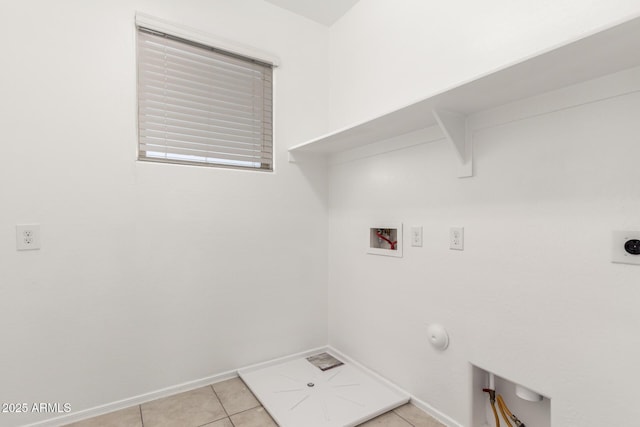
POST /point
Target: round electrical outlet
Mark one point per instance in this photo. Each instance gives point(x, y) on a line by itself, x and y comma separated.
point(632, 246)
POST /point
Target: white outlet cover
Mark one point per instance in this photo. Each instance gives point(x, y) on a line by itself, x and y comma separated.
point(27, 237)
point(456, 238)
point(618, 253)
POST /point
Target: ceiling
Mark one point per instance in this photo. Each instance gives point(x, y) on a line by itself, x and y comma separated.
point(325, 12)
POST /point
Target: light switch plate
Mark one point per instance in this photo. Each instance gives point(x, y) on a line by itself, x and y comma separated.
point(625, 243)
point(416, 236)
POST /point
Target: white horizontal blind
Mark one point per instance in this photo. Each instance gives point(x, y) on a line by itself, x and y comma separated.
point(198, 105)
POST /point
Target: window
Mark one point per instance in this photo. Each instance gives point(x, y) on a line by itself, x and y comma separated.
point(199, 105)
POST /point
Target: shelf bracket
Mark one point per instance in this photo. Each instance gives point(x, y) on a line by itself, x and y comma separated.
point(292, 157)
point(455, 129)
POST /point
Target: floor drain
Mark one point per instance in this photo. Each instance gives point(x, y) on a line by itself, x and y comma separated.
point(310, 384)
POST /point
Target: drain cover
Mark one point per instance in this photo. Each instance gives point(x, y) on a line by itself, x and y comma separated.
point(324, 361)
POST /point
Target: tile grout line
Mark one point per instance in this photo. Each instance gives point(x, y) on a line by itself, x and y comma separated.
point(225, 409)
point(221, 404)
point(247, 410)
point(259, 405)
point(219, 400)
point(403, 418)
point(141, 418)
point(209, 423)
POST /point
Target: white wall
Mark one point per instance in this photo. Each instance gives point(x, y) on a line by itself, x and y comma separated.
point(153, 275)
point(149, 275)
point(534, 296)
point(387, 54)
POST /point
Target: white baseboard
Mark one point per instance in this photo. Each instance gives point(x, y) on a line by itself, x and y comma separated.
point(165, 392)
point(132, 401)
point(191, 385)
point(444, 419)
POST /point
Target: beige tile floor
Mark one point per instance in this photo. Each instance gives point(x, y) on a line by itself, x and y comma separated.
point(228, 404)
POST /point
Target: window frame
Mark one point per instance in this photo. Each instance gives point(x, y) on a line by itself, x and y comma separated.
point(194, 38)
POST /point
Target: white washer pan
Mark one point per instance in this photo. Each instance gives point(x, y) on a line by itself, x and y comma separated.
point(296, 394)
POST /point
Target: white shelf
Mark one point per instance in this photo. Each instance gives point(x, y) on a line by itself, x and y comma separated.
point(601, 53)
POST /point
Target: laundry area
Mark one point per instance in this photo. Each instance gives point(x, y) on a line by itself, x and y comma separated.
point(262, 213)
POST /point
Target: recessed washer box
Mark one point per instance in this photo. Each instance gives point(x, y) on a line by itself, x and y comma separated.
point(385, 239)
point(626, 247)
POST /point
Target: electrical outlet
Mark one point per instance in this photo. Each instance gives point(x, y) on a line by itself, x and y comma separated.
point(416, 236)
point(626, 247)
point(27, 237)
point(456, 238)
